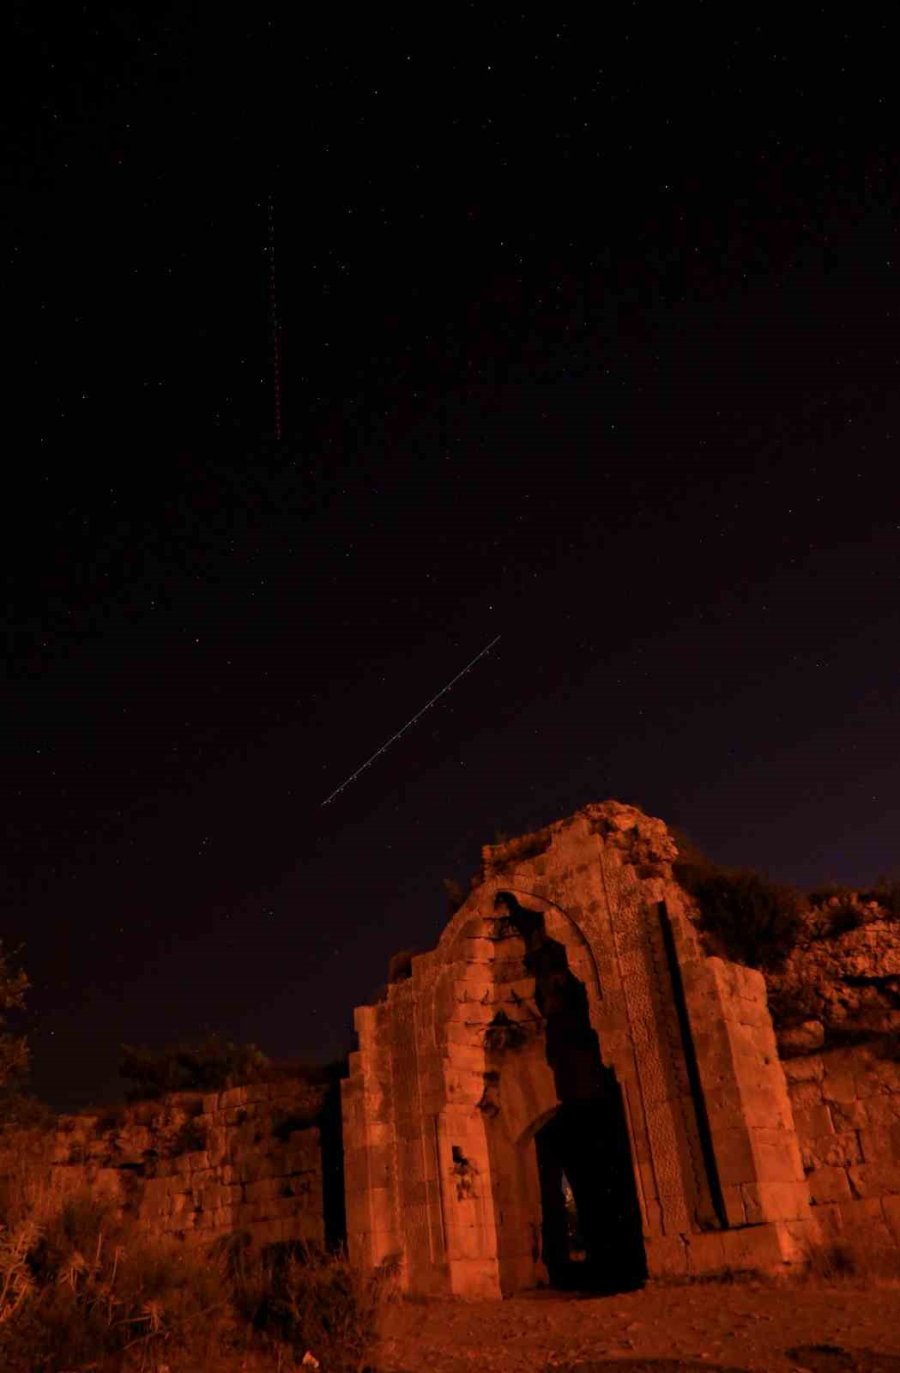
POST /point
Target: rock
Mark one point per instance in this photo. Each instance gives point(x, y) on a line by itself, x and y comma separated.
point(805, 1038)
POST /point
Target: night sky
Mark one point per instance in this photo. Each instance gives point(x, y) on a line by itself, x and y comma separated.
point(589, 330)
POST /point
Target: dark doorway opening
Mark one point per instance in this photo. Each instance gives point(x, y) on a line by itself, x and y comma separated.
point(591, 1237)
point(591, 1231)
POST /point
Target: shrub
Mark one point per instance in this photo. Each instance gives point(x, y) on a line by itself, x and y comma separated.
point(211, 1065)
point(21, 1111)
point(300, 1297)
point(854, 1265)
point(13, 1048)
point(836, 911)
point(887, 894)
point(843, 917)
point(83, 1289)
point(746, 917)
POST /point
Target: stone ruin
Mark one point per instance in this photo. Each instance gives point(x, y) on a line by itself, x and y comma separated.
point(262, 1161)
point(569, 1089)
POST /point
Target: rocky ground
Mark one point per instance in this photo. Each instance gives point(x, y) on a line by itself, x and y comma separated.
point(735, 1326)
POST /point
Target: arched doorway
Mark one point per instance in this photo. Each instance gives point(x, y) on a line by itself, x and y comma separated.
point(591, 1229)
point(590, 1220)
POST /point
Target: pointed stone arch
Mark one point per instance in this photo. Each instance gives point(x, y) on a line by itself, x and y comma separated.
point(455, 1072)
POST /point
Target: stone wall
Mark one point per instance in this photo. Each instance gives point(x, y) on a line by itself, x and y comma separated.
point(195, 1166)
point(752, 1125)
point(839, 984)
point(847, 1112)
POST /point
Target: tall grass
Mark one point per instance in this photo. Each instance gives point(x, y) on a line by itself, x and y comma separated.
point(83, 1289)
point(300, 1299)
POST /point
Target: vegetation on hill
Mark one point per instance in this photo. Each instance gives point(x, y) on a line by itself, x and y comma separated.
point(745, 916)
point(815, 979)
point(17, 1107)
point(81, 1287)
point(211, 1064)
point(13, 1048)
point(208, 1065)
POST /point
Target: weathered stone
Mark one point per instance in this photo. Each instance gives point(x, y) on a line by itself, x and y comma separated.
point(828, 1185)
point(175, 1187)
point(813, 1122)
point(883, 1110)
point(848, 1115)
point(593, 897)
point(777, 1159)
point(880, 1143)
point(839, 1087)
point(864, 1220)
point(810, 1069)
point(774, 1201)
point(839, 1151)
point(878, 1178)
point(801, 1039)
point(806, 1094)
point(891, 1208)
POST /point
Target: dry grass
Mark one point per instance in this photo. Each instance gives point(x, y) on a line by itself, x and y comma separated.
point(296, 1299)
point(81, 1288)
point(841, 1264)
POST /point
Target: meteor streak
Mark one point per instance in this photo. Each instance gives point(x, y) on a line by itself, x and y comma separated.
point(409, 724)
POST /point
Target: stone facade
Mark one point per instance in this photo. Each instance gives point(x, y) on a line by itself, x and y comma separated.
point(197, 1167)
point(837, 982)
point(846, 1106)
point(569, 1014)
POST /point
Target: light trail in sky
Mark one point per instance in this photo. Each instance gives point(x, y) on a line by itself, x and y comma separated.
point(409, 724)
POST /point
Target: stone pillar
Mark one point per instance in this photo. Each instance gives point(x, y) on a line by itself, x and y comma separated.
point(369, 1166)
point(750, 1117)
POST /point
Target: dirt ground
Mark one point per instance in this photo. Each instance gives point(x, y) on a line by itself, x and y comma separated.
point(661, 1329)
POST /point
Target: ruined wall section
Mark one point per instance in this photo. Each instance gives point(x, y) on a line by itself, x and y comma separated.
point(196, 1167)
point(484, 1016)
point(748, 1151)
point(752, 1126)
point(613, 891)
point(839, 982)
point(847, 1110)
point(631, 878)
point(836, 1002)
point(451, 1081)
point(370, 1165)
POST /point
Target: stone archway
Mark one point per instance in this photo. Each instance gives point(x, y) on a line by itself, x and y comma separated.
point(569, 1011)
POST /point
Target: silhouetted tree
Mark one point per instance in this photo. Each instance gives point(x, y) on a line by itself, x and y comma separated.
point(13, 1048)
point(16, 1106)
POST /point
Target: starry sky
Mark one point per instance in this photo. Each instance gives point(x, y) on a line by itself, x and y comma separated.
point(589, 341)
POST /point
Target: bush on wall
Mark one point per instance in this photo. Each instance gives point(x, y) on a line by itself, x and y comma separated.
point(745, 917)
